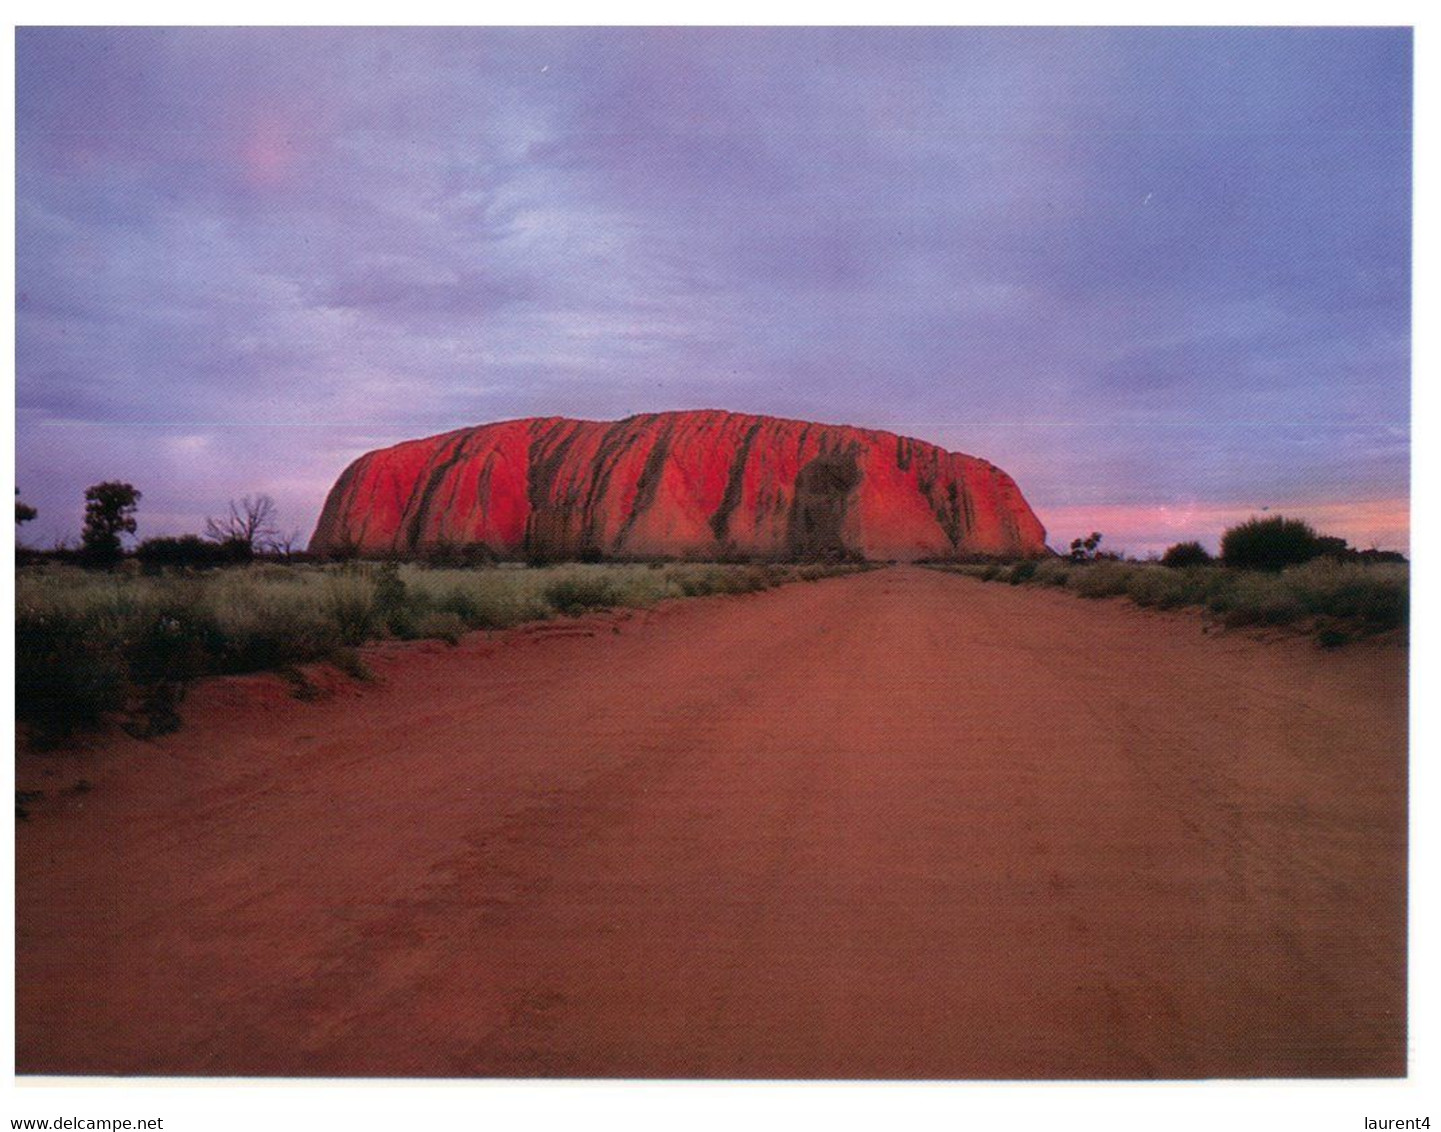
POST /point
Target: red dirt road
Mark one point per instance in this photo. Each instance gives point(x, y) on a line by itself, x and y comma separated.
point(901, 824)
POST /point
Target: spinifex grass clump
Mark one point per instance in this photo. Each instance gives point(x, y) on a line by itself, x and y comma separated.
point(576, 593)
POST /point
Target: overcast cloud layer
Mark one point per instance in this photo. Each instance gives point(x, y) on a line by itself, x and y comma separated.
point(1162, 277)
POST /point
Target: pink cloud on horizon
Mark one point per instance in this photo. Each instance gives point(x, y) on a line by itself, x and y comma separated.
point(1142, 529)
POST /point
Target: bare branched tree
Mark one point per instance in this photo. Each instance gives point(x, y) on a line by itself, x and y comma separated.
point(284, 545)
point(249, 520)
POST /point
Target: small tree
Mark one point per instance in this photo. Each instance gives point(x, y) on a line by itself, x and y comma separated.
point(1085, 549)
point(109, 513)
point(251, 521)
point(23, 511)
point(284, 545)
point(1270, 544)
point(1186, 554)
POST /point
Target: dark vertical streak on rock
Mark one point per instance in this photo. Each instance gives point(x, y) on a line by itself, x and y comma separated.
point(608, 457)
point(547, 522)
point(720, 521)
point(649, 482)
point(544, 469)
point(414, 525)
point(950, 515)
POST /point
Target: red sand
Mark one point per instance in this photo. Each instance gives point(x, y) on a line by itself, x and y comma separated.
point(901, 824)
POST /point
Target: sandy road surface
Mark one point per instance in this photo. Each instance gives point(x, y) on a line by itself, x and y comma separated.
point(898, 824)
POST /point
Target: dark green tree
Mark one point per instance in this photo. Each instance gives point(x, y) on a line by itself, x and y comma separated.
point(23, 511)
point(109, 513)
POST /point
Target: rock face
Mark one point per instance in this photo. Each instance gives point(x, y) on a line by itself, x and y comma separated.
point(700, 484)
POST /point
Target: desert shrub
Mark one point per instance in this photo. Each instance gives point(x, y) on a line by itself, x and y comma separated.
point(460, 603)
point(1022, 572)
point(441, 625)
point(483, 598)
point(1159, 587)
point(1272, 543)
point(1052, 572)
point(1103, 579)
point(260, 627)
point(395, 607)
point(175, 642)
point(192, 553)
point(697, 583)
point(693, 583)
point(1218, 588)
point(389, 589)
point(1184, 554)
point(1262, 599)
point(67, 675)
point(753, 579)
point(1378, 596)
point(350, 604)
point(573, 594)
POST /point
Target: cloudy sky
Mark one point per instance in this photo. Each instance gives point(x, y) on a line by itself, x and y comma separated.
point(1160, 276)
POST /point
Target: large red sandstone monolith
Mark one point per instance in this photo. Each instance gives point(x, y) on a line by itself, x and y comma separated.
point(704, 484)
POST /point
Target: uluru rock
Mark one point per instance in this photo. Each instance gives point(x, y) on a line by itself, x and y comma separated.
point(702, 484)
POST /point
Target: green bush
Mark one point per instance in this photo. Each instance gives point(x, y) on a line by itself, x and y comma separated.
point(1159, 587)
point(717, 580)
point(351, 606)
point(1376, 595)
point(1184, 554)
point(1262, 599)
point(1272, 543)
point(66, 676)
point(477, 611)
point(1053, 572)
point(1022, 572)
point(1102, 579)
point(441, 625)
point(174, 643)
point(192, 553)
point(576, 593)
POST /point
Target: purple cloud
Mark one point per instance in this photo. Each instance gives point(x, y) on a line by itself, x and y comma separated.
point(1134, 267)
